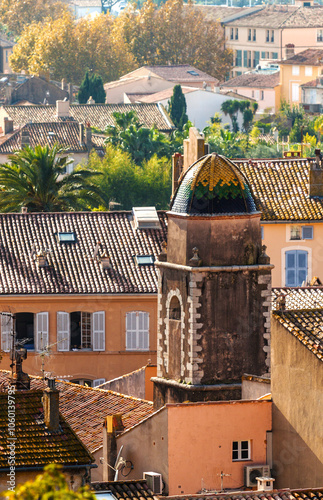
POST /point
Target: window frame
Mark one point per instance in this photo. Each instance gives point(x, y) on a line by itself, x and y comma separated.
point(296, 268)
point(304, 228)
point(240, 450)
point(319, 35)
point(132, 335)
point(97, 328)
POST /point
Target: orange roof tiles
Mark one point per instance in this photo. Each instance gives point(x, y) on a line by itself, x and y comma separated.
point(85, 408)
point(306, 494)
point(35, 444)
point(298, 298)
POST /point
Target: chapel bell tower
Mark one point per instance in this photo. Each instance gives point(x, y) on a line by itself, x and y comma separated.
point(214, 288)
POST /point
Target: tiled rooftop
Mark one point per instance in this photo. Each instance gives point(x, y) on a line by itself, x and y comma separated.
point(220, 12)
point(126, 490)
point(97, 115)
point(35, 444)
point(71, 266)
point(298, 298)
point(310, 57)
point(66, 134)
point(282, 16)
point(253, 80)
point(280, 189)
point(179, 72)
point(85, 408)
point(166, 94)
point(318, 82)
point(306, 326)
point(286, 494)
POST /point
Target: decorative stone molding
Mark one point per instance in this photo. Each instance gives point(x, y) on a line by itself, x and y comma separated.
point(194, 372)
point(265, 279)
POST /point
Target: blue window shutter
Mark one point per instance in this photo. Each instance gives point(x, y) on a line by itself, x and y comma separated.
point(257, 57)
point(245, 58)
point(295, 267)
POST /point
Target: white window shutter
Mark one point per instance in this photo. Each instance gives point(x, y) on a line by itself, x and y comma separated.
point(41, 331)
point(98, 381)
point(6, 329)
point(131, 327)
point(63, 331)
point(98, 331)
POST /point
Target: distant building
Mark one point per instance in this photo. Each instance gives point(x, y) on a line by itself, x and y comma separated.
point(312, 95)
point(6, 47)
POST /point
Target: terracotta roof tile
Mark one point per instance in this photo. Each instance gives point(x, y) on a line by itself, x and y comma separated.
point(126, 490)
point(35, 444)
point(306, 325)
point(166, 94)
point(298, 297)
point(253, 80)
point(306, 494)
point(282, 16)
point(71, 268)
point(98, 115)
point(85, 408)
point(310, 57)
point(181, 72)
point(66, 134)
point(280, 189)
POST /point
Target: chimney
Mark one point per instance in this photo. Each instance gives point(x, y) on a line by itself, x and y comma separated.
point(51, 406)
point(316, 175)
point(25, 138)
point(20, 379)
point(289, 50)
point(88, 137)
point(63, 108)
point(81, 133)
point(63, 84)
point(7, 125)
point(193, 148)
point(24, 210)
point(70, 91)
point(111, 428)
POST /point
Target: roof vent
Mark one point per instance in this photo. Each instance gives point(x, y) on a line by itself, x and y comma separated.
point(145, 218)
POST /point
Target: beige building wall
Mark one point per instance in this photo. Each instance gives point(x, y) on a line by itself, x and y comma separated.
point(297, 382)
point(145, 85)
point(86, 364)
point(199, 435)
point(277, 238)
point(291, 79)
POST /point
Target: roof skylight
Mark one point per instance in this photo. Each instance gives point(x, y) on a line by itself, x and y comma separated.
point(66, 237)
point(192, 72)
point(145, 218)
point(145, 260)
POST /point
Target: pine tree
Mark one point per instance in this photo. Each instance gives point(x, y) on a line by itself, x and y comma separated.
point(177, 107)
point(91, 86)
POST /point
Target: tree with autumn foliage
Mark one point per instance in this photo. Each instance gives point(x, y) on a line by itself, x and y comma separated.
point(61, 48)
point(175, 33)
point(15, 15)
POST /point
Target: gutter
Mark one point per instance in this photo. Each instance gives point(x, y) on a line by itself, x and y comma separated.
point(215, 269)
point(193, 387)
point(41, 467)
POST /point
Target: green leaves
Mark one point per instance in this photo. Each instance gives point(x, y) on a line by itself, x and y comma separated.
point(36, 179)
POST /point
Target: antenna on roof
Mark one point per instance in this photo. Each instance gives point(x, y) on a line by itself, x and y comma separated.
point(96, 250)
point(121, 465)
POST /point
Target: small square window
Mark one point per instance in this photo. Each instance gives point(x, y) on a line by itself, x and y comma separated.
point(295, 70)
point(295, 233)
point(240, 450)
point(145, 260)
point(66, 237)
point(307, 232)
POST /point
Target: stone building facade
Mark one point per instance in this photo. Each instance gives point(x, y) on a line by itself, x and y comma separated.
point(214, 288)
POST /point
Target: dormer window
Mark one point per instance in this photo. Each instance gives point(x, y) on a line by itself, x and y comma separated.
point(66, 237)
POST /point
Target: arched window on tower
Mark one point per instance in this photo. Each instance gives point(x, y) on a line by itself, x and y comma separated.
point(174, 308)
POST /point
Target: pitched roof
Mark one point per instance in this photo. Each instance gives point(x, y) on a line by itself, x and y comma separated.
point(280, 189)
point(178, 73)
point(85, 408)
point(166, 94)
point(98, 115)
point(6, 43)
point(35, 444)
point(66, 134)
point(253, 80)
point(310, 57)
point(71, 266)
point(126, 490)
point(318, 82)
point(220, 12)
point(286, 494)
point(306, 325)
point(299, 297)
point(282, 16)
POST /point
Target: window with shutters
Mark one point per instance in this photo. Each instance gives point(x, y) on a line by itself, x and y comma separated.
point(80, 331)
point(137, 331)
point(31, 330)
point(295, 267)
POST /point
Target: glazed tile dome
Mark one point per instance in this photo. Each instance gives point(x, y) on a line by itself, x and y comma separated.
point(213, 185)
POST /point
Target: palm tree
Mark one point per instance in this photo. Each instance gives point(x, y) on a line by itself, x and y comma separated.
point(35, 179)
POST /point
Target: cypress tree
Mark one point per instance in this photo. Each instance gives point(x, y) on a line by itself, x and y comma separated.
point(177, 107)
point(92, 85)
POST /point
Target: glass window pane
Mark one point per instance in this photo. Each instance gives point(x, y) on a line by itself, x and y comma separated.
point(244, 445)
point(235, 455)
point(235, 445)
point(244, 454)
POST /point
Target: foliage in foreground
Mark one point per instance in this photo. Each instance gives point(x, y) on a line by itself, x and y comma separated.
point(35, 178)
point(50, 485)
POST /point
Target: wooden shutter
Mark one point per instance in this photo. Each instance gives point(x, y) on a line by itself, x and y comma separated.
point(98, 335)
point(98, 381)
point(41, 331)
point(63, 331)
point(143, 331)
point(245, 58)
point(6, 329)
point(131, 330)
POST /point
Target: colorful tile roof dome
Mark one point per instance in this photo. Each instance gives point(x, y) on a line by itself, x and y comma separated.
point(213, 185)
